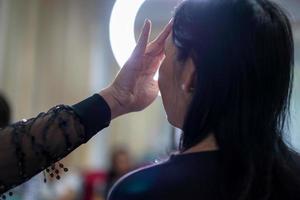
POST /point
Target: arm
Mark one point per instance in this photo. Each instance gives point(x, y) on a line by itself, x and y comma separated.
point(30, 146)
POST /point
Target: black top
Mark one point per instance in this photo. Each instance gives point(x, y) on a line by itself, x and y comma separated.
point(182, 176)
point(30, 146)
point(188, 177)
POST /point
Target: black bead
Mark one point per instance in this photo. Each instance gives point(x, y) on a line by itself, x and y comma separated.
point(3, 196)
point(56, 171)
point(57, 177)
point(61, 165)
point(52, 175)
point(48, 170)
point(53, 168)
point(66, 169)
point(10, 193)
point(45, 180)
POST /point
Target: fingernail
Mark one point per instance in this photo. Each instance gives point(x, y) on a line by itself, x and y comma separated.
point(146, 21)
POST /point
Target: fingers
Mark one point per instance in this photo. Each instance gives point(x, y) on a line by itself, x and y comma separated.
point(156, 46)
point(164, 34)
point(155, 63)
point(143, 39)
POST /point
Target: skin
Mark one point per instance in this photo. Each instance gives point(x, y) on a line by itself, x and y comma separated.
point(134, 87)
point(176, 83)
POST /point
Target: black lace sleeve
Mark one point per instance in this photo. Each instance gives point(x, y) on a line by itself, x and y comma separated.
point(30, 146)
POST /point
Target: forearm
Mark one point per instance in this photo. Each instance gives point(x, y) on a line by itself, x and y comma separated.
point(28, 147)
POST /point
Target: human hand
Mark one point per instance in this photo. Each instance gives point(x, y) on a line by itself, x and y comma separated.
point(134, 87)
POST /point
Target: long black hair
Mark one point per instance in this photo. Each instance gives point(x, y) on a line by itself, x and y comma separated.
point(243, 52)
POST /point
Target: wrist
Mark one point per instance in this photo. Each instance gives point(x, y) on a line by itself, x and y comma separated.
point(117, 109)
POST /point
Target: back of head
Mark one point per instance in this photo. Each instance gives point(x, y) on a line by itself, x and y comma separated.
point(243, 52)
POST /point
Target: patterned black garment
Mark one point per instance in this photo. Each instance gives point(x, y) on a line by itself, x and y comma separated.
point(31, 146)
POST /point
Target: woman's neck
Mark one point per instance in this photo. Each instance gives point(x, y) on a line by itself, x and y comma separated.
point(208, 144)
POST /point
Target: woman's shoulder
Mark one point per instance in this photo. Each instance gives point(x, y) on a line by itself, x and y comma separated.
point(138, 182)
point(192, 171)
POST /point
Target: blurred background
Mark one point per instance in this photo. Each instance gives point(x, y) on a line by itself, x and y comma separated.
point(59, 52)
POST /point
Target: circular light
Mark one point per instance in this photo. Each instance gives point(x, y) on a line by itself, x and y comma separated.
point(121, 28)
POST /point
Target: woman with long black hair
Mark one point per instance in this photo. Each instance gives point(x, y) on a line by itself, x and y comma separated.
point(226, 81)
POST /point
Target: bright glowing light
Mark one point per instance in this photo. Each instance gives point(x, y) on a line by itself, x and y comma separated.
point(122, 28)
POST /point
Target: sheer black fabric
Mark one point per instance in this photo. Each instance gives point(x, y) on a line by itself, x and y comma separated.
point(30, 146)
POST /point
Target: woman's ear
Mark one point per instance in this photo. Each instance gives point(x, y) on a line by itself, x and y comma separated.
point(188, 78)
